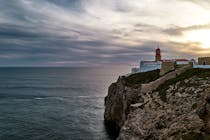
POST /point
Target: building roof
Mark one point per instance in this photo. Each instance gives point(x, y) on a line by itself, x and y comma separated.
point(166, 60)
point(182, 59)
point(149, 61)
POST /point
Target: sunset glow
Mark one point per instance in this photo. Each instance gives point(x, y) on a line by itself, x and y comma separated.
point(201, 37)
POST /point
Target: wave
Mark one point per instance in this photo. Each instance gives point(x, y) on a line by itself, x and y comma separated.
point(93, 97)
point(38, 98)
point(46, 98)
point(44, 88)
point(83, 96)
point(21, 100)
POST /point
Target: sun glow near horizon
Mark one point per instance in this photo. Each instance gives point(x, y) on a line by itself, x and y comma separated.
point(201, 36)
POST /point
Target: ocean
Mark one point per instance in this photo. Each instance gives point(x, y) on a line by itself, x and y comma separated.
point(54, 103)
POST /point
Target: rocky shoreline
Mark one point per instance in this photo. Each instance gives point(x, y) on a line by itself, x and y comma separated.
point(179, 108)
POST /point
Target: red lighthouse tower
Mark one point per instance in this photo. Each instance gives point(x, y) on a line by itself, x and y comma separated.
point(158, 55)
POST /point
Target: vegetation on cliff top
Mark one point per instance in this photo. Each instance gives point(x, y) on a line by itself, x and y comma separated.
point(201, 73)
point(195, 136)
point(143, 77)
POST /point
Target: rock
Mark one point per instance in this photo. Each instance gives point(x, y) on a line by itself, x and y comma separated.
point(173, 120)
point(145, 116)
point(186, 80)
point(118, 102)
point(136, 106)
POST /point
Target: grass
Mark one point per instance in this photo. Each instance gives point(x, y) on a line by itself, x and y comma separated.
point(194, 106)
point(143, 77)
point(202, 73)
point(192, 136)
point(195, 136)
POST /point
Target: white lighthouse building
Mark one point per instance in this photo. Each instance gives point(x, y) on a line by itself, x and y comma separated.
point(158, 63)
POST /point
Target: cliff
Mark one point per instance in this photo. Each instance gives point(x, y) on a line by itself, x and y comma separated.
point(174, 106)
point(122, 94)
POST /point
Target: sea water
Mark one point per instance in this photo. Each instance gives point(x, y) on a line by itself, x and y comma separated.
point(54, 103)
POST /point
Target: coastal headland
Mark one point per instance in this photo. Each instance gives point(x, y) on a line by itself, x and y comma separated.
point(148, 105)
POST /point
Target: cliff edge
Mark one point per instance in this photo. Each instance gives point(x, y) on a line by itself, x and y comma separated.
point(173, 106)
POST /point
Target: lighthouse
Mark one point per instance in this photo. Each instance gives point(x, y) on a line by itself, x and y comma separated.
point(158, 55)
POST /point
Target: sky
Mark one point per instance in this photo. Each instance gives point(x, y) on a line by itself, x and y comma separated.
point(101, 32)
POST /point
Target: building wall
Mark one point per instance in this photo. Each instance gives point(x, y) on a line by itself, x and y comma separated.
point(202, 60)
point(149, 66)
point(182, 62)
point(201, 66)
point(157, 58)
point(166, 67)
point(134, 70)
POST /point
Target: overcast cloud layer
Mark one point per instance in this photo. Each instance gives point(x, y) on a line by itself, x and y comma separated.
point(98, 32)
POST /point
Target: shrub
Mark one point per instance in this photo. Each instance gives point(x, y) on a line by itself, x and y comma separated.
point(202, 73)
point(143, 77)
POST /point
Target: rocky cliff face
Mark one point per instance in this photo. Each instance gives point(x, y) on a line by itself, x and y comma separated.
point(118, 101)
point(178, 109)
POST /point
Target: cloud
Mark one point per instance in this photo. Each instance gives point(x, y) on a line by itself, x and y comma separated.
point(202, 3)
point(94, 32)
point(179, 30)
